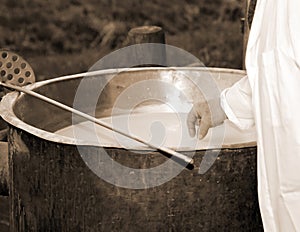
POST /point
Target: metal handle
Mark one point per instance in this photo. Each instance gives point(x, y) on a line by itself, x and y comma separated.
point(177, 157)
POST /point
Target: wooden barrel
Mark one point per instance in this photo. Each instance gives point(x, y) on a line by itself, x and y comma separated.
point(53, 188)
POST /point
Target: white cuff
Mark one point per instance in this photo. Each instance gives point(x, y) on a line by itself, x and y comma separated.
point(237, 106)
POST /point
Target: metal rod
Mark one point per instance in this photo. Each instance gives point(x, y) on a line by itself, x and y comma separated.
point(178, 157)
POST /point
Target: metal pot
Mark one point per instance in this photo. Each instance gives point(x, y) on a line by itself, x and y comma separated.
point(53, 188)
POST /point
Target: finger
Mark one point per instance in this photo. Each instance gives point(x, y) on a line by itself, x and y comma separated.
point(203, 128)
point(191, 121)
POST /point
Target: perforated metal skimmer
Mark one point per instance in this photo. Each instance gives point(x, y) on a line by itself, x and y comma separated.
point(14, 69)
point(16, 72)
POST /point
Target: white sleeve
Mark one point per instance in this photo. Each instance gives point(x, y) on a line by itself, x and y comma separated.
point(236, 102)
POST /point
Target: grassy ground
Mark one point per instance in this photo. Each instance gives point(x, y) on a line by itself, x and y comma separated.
point(60, 37)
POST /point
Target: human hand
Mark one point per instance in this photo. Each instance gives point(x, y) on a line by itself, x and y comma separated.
point(206, 114)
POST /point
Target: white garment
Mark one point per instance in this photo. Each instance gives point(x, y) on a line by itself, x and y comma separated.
point(271, 93)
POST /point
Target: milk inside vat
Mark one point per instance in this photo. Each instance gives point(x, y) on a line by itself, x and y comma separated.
point(159, 125)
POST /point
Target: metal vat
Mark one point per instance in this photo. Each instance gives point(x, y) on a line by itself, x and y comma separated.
point(52, 188)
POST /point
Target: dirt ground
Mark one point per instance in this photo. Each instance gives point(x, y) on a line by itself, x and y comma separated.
point(61, 37)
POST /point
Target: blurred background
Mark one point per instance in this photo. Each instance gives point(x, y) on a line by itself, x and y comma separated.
point(63, 37)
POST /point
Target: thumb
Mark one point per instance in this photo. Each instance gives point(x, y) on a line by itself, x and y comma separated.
point(203, 128)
